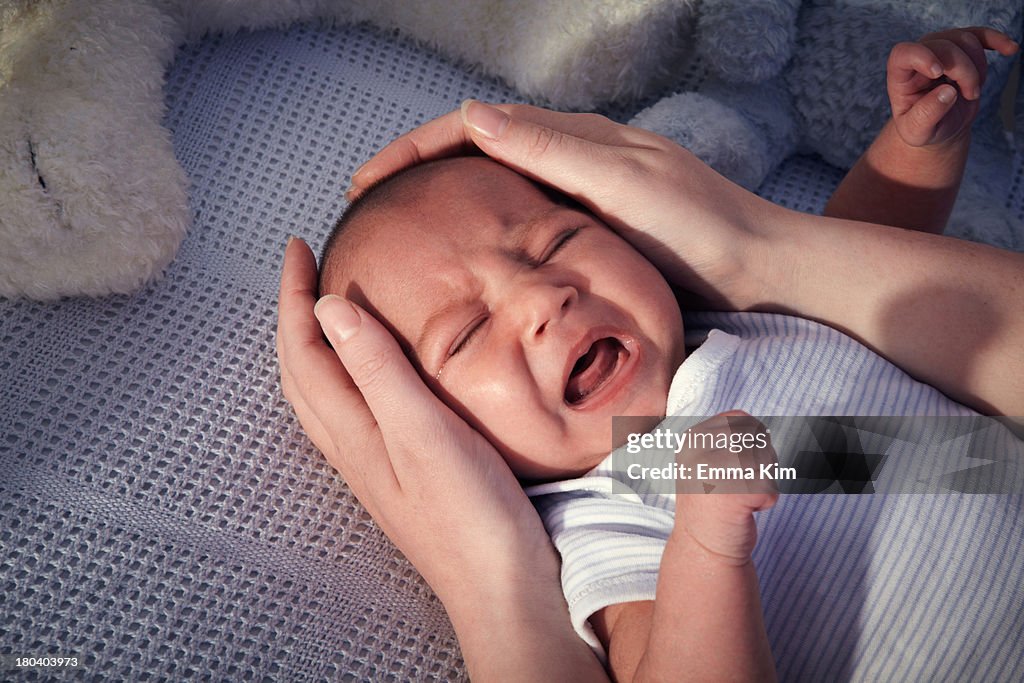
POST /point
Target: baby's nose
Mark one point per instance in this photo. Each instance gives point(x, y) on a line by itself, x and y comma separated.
point(546, 304)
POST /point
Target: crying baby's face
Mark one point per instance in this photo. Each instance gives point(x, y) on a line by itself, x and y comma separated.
point(531, 319)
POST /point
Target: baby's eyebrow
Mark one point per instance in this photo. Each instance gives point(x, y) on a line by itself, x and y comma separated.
point(518, 235)
point(519, 232)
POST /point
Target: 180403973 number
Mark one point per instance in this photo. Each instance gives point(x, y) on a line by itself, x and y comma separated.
point(40, 662)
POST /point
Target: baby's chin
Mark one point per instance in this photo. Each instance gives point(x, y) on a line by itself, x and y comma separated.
point(632, 424)
point(591, 440)
point(539, 468)
point(643, 414)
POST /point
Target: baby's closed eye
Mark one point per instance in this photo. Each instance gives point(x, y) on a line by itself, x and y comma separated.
point(466, 335)
point(556, 245)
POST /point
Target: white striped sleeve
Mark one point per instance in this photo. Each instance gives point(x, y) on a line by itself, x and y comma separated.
point(611, 549)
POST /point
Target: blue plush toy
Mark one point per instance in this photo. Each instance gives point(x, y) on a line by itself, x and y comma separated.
point(830, 98)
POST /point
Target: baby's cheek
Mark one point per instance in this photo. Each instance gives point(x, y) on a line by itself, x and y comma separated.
point(455, 394)
point(486, 403)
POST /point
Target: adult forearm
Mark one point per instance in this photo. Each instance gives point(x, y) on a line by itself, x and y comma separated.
point(521, 634)
point(896, 184)
point(947, 311)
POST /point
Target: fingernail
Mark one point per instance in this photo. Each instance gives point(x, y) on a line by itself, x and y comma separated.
point(339, 319)
point(947, 94)
point(936, 70)
point(352, 181)
point(291, 238)
point(359, 170)
point(485, 119)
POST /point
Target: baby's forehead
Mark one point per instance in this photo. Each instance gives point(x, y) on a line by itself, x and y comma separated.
point(466, 203)
point(470, 185)
point(436, 214)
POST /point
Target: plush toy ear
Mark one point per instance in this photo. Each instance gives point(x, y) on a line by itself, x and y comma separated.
point(746, 42)
point(92, 199)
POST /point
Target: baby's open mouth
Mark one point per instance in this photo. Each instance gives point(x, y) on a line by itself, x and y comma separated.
point(594, 368)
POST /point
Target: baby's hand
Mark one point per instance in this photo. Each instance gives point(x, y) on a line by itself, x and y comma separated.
point(718, 513)
point(935, 84)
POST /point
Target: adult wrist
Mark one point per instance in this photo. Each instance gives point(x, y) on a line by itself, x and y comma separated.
point(761, 270)
point(500, 581)
point(776, 261)
point(521, 632)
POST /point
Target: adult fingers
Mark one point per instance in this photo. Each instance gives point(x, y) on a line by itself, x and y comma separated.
point(575, 165)
point(593, 127)
point(360, 435)
point(294, 284)
point(974, 41)
point(406, 410)
point(325, 399)
point(299, 341)
point(959, 67)
point(989, 38)
point(442, 137)
point(307, 418)
point(449, 135)
point(971, 46)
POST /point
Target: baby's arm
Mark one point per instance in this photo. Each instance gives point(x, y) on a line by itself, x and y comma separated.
point(910, 175)
point(706, 623)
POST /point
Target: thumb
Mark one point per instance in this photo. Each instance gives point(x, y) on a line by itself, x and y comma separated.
point(927, 112)
point(571, 164)
point(393, 390)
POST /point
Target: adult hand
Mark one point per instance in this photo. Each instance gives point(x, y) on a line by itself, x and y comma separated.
point(436, 487)
point(698, 228)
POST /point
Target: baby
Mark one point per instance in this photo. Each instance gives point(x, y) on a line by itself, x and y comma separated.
point(527, 315)
point(537, 324)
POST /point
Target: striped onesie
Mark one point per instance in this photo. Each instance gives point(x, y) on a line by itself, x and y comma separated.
point(858, 587)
